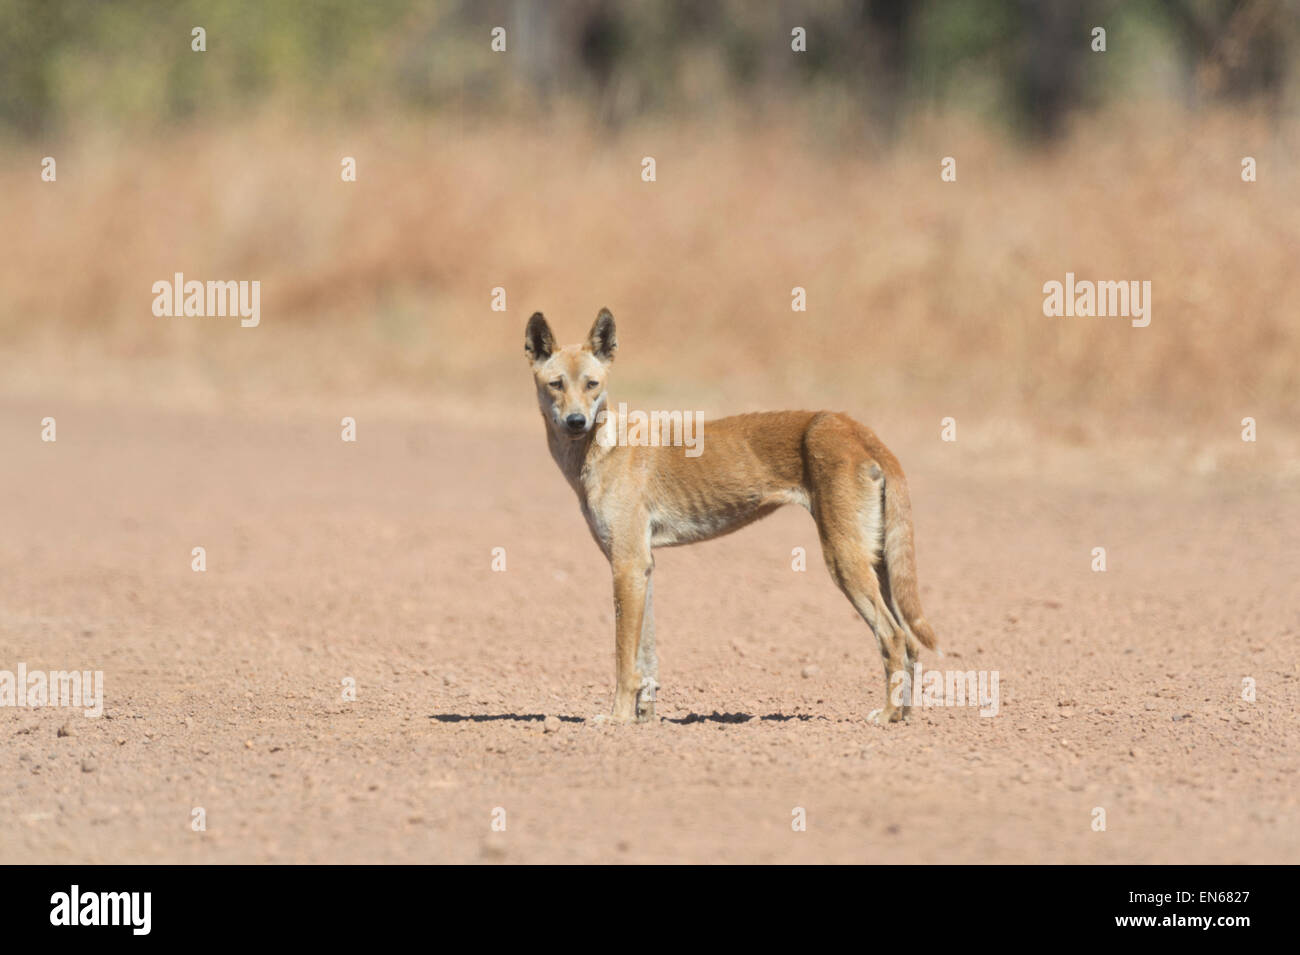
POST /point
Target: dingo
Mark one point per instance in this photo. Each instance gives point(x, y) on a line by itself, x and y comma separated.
point(639, 498)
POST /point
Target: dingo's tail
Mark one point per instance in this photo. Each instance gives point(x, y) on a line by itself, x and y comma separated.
point(900, 560)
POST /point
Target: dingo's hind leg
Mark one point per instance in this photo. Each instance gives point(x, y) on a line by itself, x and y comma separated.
point(857, 579)
point(848, 506)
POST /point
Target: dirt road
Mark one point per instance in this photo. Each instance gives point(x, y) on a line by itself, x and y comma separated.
point(1120, 691)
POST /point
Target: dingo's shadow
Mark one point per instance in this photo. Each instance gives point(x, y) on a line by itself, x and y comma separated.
point(511, 717)
point(714, 717)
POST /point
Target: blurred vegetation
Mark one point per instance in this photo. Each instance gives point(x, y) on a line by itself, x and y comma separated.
point(1025, 64)
point(817, 169)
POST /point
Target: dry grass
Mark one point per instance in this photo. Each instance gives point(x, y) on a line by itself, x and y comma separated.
point(916, 288)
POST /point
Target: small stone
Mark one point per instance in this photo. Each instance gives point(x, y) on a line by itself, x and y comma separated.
point(87, 765)
point(811, 670)
point(550, 724)
point(65, 729)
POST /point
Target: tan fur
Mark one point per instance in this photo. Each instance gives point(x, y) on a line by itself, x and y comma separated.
point(639, 498)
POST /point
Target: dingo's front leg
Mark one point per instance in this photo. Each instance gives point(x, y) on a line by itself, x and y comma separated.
point(647, 660)
point(631, 584)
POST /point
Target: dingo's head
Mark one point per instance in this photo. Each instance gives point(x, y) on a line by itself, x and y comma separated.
point(571, 380)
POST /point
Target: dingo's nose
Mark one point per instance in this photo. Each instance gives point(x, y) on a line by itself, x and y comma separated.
point(576, 422)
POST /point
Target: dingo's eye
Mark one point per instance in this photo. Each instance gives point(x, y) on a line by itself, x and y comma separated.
point(592, 384)
point(557, 384)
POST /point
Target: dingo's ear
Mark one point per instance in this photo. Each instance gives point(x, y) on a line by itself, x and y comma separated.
point(538, 340)
point(603, 340)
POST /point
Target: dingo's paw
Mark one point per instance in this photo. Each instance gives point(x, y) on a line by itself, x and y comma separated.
point(608, 719)
point(645, 700)
point(881, 717)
